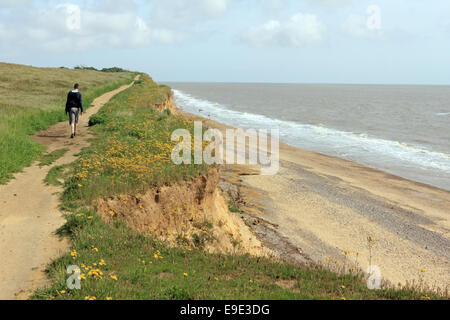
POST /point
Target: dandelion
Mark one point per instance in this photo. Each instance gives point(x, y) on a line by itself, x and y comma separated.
point(74, 254)
point(215, 278)
point(185, 274)
point(108, 298)
point(250, 281)
point(62, 291)
point(343, 287)
point(90, 217)
point(422, 270)
point(97, 274)
point(114, 277)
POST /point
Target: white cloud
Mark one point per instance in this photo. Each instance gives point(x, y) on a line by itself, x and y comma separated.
point(103, 23)
point(300, 30)
point(60, 29)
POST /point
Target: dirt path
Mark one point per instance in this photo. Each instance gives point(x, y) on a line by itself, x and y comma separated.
point(29, 214)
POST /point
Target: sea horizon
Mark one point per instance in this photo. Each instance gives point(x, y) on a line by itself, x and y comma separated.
point(382, 133)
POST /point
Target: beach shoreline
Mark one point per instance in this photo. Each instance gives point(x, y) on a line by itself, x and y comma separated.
point(328, 208)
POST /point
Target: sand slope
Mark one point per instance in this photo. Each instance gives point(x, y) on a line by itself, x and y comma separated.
point(327, 208)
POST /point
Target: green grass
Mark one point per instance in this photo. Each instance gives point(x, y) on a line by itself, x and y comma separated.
point(55, 175)
point(33, 99)
point(119, 263)
point(49, 158)
point(133, 147)
point(147, 269)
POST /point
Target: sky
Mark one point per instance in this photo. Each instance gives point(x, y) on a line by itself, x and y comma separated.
point(301, 41)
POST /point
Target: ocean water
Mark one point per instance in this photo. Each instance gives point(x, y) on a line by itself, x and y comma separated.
point(403, 130)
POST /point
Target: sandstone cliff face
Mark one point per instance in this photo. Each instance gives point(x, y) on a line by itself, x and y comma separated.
point(188, 213)
point(168, 104)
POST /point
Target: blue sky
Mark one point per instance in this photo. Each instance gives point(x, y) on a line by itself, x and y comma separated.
point(325, 41)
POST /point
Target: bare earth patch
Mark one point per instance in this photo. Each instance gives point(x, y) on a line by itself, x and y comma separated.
point(29, 214)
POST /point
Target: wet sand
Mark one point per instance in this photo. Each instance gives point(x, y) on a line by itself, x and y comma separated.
point(327, 208)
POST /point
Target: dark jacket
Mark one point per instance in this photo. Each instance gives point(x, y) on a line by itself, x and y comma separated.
point(74, 100)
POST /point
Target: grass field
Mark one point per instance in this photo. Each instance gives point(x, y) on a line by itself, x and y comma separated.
point(130, 154)
point(32, 99)
point(133, 148)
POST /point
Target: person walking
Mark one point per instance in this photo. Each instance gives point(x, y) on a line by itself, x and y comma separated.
point(74, 107)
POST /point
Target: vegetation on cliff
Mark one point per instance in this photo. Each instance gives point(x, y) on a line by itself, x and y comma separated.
point(32, 99)
point(131, 154)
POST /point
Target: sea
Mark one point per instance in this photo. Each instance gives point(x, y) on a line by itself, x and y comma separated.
point(400, 129)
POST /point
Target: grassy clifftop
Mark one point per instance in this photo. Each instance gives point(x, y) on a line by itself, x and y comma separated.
point(131, 154)
point(32, 99)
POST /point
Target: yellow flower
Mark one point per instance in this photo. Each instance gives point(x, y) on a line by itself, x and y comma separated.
point(215, 278)
point(114, 277)
point(79, 185)
point(185, 274)
point(343, 287)
point(62, 291)
point(108, 298)
point(90, 217)
point(251, 281)
point(422, 270)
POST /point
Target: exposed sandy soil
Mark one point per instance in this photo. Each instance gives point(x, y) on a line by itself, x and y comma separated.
point(29, 214)
point(178, 213)
point(319, 207)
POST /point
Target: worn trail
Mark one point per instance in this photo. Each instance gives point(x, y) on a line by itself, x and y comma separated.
point(29, 214)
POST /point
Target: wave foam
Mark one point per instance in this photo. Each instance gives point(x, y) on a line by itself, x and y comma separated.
point(320, 138)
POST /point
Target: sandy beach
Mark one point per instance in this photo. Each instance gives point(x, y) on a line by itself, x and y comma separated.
point(326, 208)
